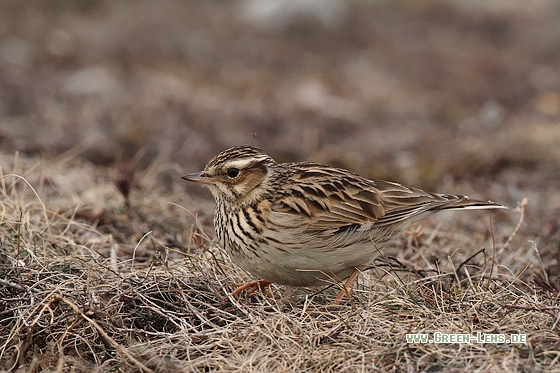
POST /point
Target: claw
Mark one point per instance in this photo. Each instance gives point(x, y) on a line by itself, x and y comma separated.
point(251, 287)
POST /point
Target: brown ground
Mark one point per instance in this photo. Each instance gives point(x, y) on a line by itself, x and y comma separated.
point(450, 96)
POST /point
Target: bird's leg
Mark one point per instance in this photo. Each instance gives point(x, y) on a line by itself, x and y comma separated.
point(346, 286)
point(251, 287)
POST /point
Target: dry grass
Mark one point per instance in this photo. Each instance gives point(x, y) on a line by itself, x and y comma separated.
point(88, 283)
point(100, 269)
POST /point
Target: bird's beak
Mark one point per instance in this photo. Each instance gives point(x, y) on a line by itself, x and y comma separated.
point(199, 177)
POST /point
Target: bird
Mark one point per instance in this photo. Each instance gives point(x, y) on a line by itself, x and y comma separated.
point(308, 224)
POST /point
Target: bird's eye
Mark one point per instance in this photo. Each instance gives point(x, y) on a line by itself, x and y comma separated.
point(233, 172)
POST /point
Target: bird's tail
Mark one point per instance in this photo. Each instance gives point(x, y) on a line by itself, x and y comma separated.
point(460, 202)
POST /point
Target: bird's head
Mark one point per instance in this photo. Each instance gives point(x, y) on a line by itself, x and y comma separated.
point(236, 175)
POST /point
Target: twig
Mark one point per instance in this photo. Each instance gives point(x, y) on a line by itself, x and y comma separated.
point(521, 209)
point(100, 330)
point(493, 262)
point(13, 285)
point(538, 309)
point(201, 245)
point(135, 248)
point(543, 268)
point(43, 207)
point(463, 263)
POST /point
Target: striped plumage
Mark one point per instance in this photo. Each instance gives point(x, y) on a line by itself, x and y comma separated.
point(306, 224)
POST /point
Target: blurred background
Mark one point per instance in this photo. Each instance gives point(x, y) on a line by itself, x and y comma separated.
point(448, 95)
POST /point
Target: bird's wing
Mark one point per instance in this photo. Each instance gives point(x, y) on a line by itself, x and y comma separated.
point(335, 201)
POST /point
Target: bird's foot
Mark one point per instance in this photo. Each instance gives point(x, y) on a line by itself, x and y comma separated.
point(251, 287)
point(346, 288)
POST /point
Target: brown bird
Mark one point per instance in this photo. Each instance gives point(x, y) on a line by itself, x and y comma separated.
point(308, 224)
